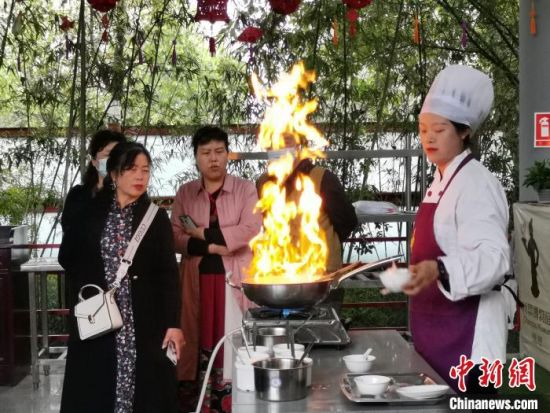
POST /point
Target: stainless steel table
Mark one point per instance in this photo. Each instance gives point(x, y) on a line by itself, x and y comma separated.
point(41, 266)
point(393, 355)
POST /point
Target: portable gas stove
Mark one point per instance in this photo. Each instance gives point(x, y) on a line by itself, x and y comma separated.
point(319, 324)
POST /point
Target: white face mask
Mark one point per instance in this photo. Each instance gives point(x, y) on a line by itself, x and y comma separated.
point(102, 167)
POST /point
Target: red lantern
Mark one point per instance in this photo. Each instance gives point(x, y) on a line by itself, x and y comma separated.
point(102, 6)
point(250, 35)
point(285, 6)
point(353, 14)
point(66, 24)
point(212, 11)
point(357, 4)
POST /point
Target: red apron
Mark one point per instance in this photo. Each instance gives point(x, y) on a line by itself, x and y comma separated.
point(442, 330)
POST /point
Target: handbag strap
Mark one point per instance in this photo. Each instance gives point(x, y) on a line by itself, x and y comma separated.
point(133, 245)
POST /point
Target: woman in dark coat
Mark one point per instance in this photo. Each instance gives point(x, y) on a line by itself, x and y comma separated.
point(127, 370)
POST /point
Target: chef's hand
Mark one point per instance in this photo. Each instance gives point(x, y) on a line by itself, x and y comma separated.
point(422, 274)
point(218, 249)
point(175, 336)
point(195, 232)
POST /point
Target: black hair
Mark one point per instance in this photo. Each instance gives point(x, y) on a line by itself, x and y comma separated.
point(207, 134)
point(461, 128)
point(100, 140)
point(122, 158)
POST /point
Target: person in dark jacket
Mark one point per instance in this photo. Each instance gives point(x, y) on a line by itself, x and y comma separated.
point(127, 370)
point(337, 216)
point(79, 196)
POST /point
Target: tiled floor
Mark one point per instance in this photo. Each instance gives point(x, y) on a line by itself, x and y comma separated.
point(23, 399)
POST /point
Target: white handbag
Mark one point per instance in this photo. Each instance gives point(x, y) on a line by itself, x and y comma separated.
point(99, 314)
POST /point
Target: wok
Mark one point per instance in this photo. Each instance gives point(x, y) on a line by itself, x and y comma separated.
point(305, 294)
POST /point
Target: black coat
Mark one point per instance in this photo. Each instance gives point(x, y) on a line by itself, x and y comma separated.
point(90, 373)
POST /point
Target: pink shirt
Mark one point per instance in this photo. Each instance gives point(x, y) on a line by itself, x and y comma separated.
point(238, 224)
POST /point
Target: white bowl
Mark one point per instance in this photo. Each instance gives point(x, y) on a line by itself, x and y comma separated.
point(258, 349)
point(395, 278)
point(356, 363)
point(372, 385)
point(254, 356)
point(287, 354)
point(278, 348)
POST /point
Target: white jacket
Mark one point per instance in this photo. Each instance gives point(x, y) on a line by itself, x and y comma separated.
point(470, 226)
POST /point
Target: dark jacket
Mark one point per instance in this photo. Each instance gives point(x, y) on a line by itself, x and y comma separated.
point(90, 374)
point(78, 199)
point(335, 202)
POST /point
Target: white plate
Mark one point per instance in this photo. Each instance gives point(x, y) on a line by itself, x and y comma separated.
point(424, 391)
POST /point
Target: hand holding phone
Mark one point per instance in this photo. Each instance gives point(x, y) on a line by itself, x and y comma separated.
point(171, 353)
point(187, 222)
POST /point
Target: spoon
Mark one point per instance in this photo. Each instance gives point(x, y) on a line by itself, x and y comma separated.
point(366, 354)
point(306, 352)
point(245, 341)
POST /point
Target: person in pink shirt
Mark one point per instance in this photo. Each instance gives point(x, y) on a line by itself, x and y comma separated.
point(213, 221)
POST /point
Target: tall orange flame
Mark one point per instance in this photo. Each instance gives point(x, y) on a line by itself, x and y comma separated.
point(292, 247)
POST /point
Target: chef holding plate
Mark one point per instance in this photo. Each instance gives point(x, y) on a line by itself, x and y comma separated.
point(459, 248)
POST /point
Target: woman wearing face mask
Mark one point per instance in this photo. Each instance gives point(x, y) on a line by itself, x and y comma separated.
point(459, 249)
point(127, 370)
point(79, 196)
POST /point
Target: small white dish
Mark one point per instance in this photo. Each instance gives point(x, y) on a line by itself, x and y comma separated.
point(283, 347)
point(423, 391)
point(357, 363)
point(395, 278)
point(372, 385)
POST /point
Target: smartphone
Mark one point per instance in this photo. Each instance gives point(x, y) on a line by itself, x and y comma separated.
point(171, 353)
point(187, 222)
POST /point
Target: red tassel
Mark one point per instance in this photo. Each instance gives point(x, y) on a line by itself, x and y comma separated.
point(353, 16)
point(105, 21)
point(174, 55)
point(105, 24)
point(335, 39)
point(533, 21)
point(416, 30)
point(212, 46)
point(18, 62)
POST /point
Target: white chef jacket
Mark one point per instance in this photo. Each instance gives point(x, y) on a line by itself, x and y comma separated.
point(470, 227)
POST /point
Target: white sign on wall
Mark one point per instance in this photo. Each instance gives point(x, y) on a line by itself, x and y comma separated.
point(532, 269)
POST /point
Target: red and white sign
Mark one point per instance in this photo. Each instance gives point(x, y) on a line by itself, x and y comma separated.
point(542, 130)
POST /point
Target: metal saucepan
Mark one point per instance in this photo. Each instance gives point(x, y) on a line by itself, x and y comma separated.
point(281, 379)
point(305, 294)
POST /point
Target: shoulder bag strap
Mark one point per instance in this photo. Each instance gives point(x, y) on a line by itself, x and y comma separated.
point(133, 245)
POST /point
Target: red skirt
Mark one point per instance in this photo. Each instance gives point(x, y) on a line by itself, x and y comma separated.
point(212, 313)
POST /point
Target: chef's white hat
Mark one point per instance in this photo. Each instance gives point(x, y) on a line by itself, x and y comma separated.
point(461, 94)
